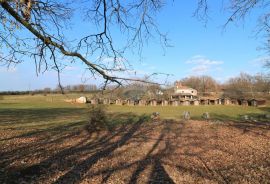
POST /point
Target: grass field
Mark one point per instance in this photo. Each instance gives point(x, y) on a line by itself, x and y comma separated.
point(169, 112)
point(43, 140)
point(41, 112)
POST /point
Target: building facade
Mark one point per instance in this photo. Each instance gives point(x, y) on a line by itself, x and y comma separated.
point(183, 92)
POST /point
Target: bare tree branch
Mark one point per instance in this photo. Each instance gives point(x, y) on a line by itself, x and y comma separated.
point(42, 17)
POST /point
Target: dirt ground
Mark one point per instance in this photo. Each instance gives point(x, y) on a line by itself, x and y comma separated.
point(164, 152)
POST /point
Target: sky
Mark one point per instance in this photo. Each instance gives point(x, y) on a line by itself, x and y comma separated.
point(196, 49)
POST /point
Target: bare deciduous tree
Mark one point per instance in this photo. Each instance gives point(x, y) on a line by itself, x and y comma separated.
point(239, 10)
point(36, 29)
point(247, 86)
point(203, 84)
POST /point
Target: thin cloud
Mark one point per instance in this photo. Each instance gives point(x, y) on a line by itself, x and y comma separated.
point(200, 69)
point(203, 65)
point(260, 61)
point(202, 60)
point(112, 59)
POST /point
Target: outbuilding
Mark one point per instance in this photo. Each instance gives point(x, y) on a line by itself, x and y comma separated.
point(164, 102)
point(118, 102)
point(130, 102)
point(175, 103)
point(82, 99)
point(225, 101)
point(94, 101)
point(204, 101)
point(153, 102)
point(142, 102)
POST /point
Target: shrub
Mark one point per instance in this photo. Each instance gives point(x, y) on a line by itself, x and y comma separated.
point(97, 118)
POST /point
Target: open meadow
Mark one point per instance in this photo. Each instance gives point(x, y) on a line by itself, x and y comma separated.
point(156, 92)
point(45, 140)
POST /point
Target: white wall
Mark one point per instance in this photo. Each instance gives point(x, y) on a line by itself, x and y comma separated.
point(186, 91)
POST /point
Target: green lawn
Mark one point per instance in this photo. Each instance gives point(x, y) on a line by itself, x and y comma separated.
point(216, 111)
point(22, 115)
point(47, 105)
point(43, 139)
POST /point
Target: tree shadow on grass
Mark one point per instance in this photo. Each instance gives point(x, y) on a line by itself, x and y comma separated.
point(102, 143)
point(23, 116)
point(125, 154)
point(25, 123)
point(68, 159)
point(256, 123)
point(266, 109)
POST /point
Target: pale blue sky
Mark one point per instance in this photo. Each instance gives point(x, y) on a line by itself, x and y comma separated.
point(197, 50)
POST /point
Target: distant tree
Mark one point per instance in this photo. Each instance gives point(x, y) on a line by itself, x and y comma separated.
point(68, 88)
point(91, 87)
point(153, 91)
point(81, 88)
point(262, 83)
point(167, 92)
point(133, 93)
point(75, 88)
point(239, 87)
point(58, 89)
point(247, 86)
point(134, 90)
point(204, 84)
point(193, 82)
point(118, 93)
point(47, 90)
point(209, 84)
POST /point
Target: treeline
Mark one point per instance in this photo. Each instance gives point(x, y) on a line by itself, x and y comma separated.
point(248, 86)
point(79, 88)
point(242, 86)
point(134, 91)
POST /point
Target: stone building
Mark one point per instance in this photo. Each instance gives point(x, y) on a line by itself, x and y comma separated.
point(183, 92)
